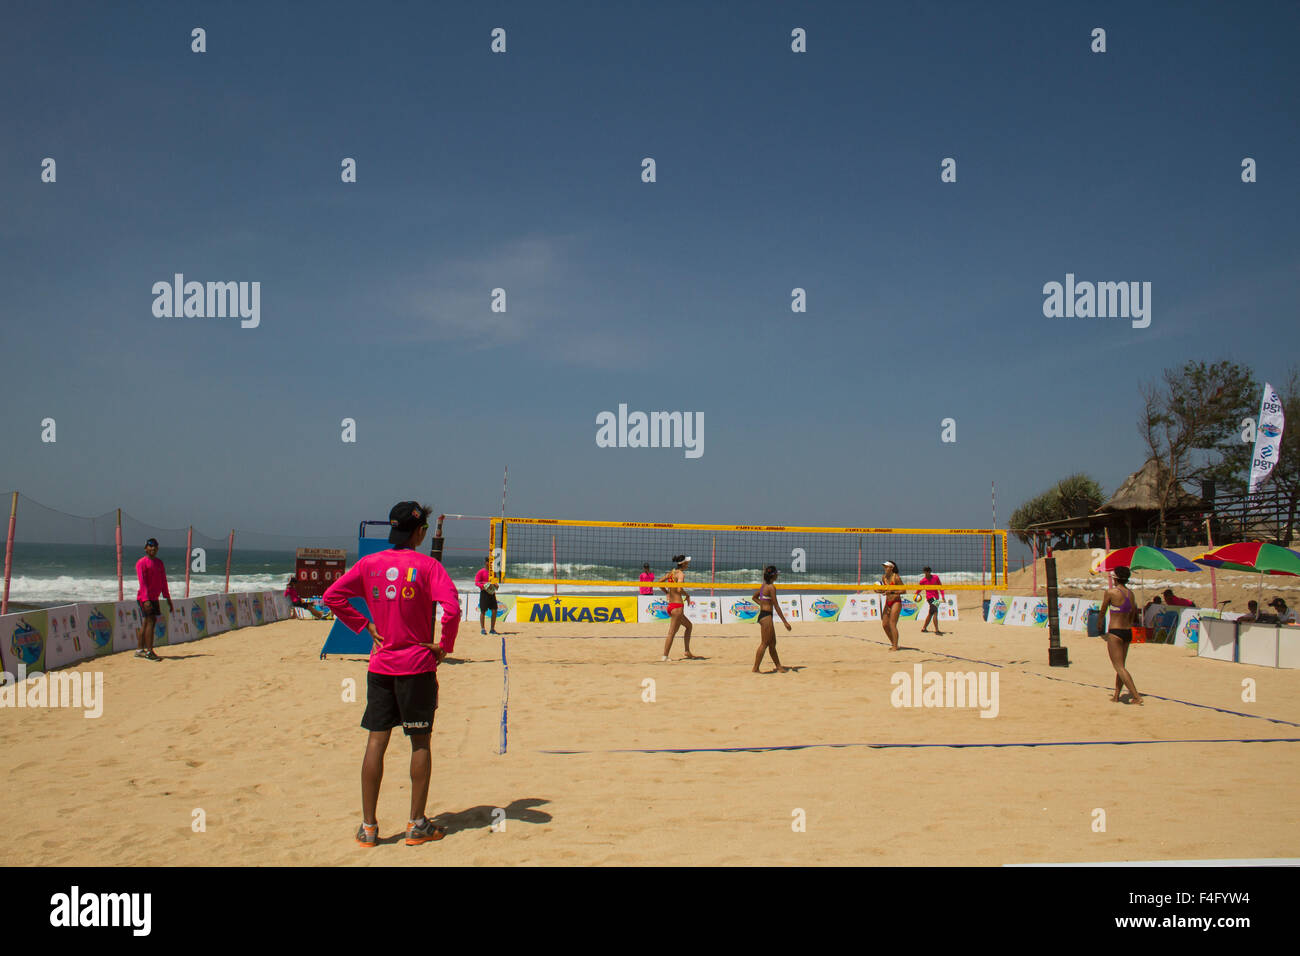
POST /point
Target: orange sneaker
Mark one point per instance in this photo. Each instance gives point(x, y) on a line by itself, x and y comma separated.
point(423, 832)
point(368, 836)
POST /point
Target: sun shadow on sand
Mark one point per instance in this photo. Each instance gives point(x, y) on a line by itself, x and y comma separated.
point(181, 657)
point(480, 817)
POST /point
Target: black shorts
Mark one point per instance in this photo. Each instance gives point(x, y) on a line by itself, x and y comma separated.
point(407, 700)
point(487, 602)
point(1125, 634)
point(149, 608)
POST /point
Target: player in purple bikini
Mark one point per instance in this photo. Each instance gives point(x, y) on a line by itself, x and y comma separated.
point(1124, 616)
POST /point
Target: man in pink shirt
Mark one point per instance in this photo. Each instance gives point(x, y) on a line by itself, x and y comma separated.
point(1173, 601)
point(487, 596)
point(932, 598)
point(400, 587)
point(152, 576)
point(646, 576)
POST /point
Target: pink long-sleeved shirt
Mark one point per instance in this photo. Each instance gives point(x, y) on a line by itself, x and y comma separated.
point(400, 587)
point(153, 579)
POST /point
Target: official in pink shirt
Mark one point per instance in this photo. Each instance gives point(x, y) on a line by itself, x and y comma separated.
point(487, 597)
point(152, 576)
point(931, 598)
point(646, 576)
point(400, 587)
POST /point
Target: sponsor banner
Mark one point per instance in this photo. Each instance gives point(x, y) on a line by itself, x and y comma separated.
point(1038, 612)
point(704, 610)
point(823, 607)
point(651, 607)
point(197, 611)
point(218, 618)
point(65, 636)
point(126, 626)
point(1268, 437)
point(22, 640)
point(1187, 632)
point(737, 608)
point(1020, 613)
point(861, 607)
point(999, 605)
point(97, 625)
point(1066, 609)
point(947, 608)
point(259, 613)
point(567, 609)
point(270, 612)
point(283, 608)
point(243, 610)
point(180, 627)
point(911, 608)
point(505, 607)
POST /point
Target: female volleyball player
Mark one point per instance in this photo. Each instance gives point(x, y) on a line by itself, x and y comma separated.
point(893, 603)
point(677, 599)
point(1124, 616)
point(765, 597)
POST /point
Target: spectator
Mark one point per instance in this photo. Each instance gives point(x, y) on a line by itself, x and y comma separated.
point(1284, 614)
point(291, 593)
point(646, 575)
point(1174, 601)
point(1252, 613)
point(1151, 611)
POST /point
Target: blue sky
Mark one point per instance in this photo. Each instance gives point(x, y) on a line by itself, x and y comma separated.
point(522, 170)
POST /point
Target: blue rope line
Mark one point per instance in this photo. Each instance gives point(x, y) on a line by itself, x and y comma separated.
point(1172, 700)
point(1050, 743)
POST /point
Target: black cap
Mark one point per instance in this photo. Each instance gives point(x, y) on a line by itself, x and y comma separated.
point(1276, 602)
point(405, 518)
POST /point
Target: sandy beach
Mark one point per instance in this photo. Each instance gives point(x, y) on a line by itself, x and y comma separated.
point(252, 729)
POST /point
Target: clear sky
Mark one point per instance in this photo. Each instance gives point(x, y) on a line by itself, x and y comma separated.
point(522, 171)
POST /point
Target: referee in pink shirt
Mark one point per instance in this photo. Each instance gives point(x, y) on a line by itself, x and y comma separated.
point(152, 576)
point(400, 587)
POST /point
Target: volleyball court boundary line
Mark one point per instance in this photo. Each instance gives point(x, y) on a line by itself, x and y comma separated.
point(1172, 700)
point(917, 746)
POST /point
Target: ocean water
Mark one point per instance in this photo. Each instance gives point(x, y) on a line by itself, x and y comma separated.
point(45, 575)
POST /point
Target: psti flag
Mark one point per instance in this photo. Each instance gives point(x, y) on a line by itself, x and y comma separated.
point(1268, 438)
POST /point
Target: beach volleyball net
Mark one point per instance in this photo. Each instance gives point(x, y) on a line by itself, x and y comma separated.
point(611, 554)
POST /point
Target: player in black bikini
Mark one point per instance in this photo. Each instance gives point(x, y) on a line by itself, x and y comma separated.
point(765, 597)
point(1124, 616)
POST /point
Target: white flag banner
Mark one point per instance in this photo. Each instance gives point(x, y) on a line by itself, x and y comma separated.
point(1268, 438)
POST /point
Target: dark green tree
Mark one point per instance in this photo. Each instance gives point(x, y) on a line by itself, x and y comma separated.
point(1190, 421)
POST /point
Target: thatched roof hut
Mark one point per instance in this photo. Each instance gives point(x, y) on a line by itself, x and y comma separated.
point(1140, 492)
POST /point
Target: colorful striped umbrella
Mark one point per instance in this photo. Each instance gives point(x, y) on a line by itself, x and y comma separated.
point(1144, 558)
point(1253, 556)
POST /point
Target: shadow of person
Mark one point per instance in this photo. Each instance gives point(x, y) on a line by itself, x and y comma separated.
point(483, 817)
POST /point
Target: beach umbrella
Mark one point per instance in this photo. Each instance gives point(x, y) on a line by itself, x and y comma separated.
point(1145, 558)
point(1253, 556)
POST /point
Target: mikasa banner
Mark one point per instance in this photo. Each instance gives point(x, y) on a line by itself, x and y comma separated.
point(1268, 438)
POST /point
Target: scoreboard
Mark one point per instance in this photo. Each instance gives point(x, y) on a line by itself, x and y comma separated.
point(317, 569)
